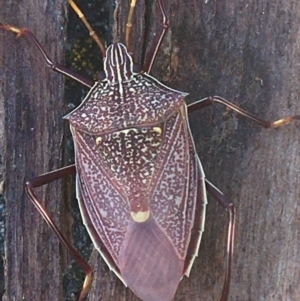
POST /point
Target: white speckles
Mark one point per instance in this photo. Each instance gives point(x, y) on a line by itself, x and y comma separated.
point(103, 213)
point(130, 155)
point(175, 191)
point(135, 168)
point(138, 102)
point(107, 209)
point(177, 200)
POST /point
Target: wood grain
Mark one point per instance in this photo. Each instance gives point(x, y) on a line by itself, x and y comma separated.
point(33, 133)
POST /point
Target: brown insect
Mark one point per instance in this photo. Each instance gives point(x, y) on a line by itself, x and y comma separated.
point(140, 184)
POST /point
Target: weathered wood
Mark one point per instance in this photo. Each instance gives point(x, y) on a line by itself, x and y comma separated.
point(245, 52)
point(33, 131)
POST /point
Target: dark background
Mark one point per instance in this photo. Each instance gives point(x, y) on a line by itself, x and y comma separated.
point(245, 51)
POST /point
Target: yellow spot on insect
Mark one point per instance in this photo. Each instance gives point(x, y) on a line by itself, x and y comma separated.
point(98, 140)
point(141, 216)
point(157, 129)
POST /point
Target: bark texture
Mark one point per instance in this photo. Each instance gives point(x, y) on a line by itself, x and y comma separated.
point(246, 52)
point(33, 133)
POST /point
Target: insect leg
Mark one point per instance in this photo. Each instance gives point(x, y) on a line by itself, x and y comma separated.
point(95, 37)
point(229, 206)
point(45, 179)
point(158, 40)
point(53, 65)
point(208, 101)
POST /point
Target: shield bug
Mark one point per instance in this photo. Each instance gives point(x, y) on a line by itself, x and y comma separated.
point(140, 184)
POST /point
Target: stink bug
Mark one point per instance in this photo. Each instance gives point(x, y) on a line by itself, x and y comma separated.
point(140, 216)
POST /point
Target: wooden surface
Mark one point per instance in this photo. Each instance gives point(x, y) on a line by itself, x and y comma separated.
point(33, 130)
point(247, 52)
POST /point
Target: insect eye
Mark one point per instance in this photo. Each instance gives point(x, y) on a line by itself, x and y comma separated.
point(137, 68)
point(101, 76)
